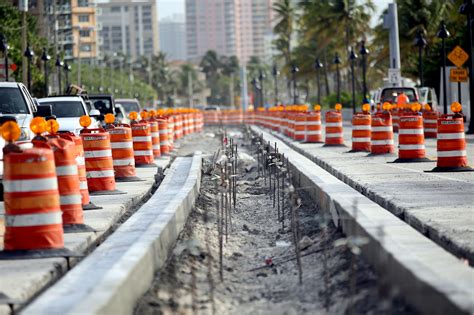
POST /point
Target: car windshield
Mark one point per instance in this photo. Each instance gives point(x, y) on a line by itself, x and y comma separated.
point(390, 95)
point(102, 105)
point(130, 106)
point(11, 101)
point(64, 109)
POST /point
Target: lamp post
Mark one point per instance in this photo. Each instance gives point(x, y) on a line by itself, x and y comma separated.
point(443, 33)
point(261, 77)
point(255, 92)
point(294, 70)
point(364, 52)
point(337, 62)
point(45, 58)
point(275, 74)
point(352, 58)
point(318, 66)
point(29, 54)
point(467, 9)
point(420, 42)
point(59, 65)
point(67, 69)
point(4, 50)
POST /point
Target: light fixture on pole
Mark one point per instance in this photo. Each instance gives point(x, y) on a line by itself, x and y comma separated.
point(59, 64)
point(420, 42)
point(29, 55)
point(45, 58)
point(318, 66)
point(353, 58)
point(364, 52)
point(294, 71)
point(337, 62)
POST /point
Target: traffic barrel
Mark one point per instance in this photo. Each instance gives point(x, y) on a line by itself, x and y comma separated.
point(334, 128)
point(185, 124)
point(381, 137)
point(142, 140)
point(164, 137)
point(178, 126)
point(155, 135)
point(99, 163)
point(299, 126)
point(361, 130)
point(170, 132)
point(33, 217)
point(451, 143)
point(411, 139)
point(313, 132)
point(430, 122)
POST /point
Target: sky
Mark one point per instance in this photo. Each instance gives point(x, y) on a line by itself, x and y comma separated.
point(167, 8)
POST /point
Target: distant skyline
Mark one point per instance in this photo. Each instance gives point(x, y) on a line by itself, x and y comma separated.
point(166, 8)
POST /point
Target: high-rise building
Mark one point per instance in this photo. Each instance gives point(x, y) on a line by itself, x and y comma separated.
point(129, 27)
point(173, 37)
point(230, 27)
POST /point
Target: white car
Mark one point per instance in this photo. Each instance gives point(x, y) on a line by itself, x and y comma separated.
point(68, 110)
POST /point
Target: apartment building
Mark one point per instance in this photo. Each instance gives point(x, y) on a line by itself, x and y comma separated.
point(173, 37)
point(129, 27)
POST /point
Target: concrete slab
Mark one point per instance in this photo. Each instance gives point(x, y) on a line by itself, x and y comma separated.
point(23, 279)
point(430, 278)
point(427, 201)
point(119, 271)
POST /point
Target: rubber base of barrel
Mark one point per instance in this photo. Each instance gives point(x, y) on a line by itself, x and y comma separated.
point(37, 254)
point(106, 192)
point(379, 154)
point(77, 228)
point(451, 169)
point(355, 151)
point(90, 206)
point(129, 179)
point(145, 165)
point(417, 160)
point(334, 145)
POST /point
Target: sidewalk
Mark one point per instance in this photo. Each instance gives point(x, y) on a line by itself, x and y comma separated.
point(21, 280)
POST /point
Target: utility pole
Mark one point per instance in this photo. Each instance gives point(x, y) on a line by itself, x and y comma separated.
point(190, 89)
point(467, 8)
point(231, 90)
point(244, 91)
point(390, 22)
point(79, 61)
point(23, 7)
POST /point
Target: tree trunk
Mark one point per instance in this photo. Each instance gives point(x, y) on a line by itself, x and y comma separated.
point(326, 74)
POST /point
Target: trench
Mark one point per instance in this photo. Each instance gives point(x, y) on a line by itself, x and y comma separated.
point(260, 269)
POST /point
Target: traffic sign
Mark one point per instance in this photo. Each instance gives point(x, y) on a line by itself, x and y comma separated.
point(458, 56)
point(394, 76)
point(458, 75)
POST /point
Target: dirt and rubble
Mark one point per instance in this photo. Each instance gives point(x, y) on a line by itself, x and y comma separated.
point(260, 271)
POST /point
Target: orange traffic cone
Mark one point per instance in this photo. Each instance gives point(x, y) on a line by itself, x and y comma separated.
point(334, 129)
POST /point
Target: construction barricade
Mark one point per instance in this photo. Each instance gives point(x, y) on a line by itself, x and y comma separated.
point(313, 133)
point(142, 144)
point(164, 137)
point(334, 129)
point(381, 137)
point(299, 126)
point(411, 140)
point(430, 123)
point(121, 142)
point(361, 132)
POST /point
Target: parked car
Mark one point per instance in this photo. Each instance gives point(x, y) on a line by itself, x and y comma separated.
point(68, 110)
point(212, 107)
point(104, 103)
point(428, 96)
point(129, 104)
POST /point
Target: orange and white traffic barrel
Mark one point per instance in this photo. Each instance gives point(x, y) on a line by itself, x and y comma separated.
point(178, 125)
point(142, 144)
point(300, 126)
point(155, 137)
point(313, 132)
point(430, 122)
point(33, 217)
point(121, 142)
point(411, 139)
point(381, 137)
point(361, 130)
point(164, 137)
point(396, 112)
point(170, 132)
point(451, 143)
point(334, 128)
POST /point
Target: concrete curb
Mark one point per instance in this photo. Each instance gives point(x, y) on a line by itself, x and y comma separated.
point(430, 278)
point(112, 278)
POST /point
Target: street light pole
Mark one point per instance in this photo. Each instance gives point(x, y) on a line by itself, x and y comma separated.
point(352, 58)
point(275, 74)
point(294, 70)
point(318, 66)
point(420, 42)
point(45, 58)
point(4, 50)
point(59, 65)
point(29, 54)
point(443, 33)
point(67, 69)
point(467, 9)
point(337, 62)
point(364, 52)
point(261, 77)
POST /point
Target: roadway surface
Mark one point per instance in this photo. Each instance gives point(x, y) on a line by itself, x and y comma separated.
point(439, 205)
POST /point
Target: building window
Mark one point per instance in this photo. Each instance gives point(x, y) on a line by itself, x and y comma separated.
point(83, 18)
point(85, 33)
point(86, 47)
point(114, 9)
point(82, 3)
